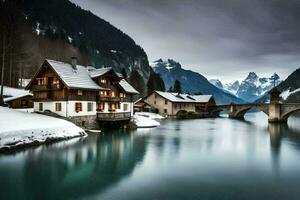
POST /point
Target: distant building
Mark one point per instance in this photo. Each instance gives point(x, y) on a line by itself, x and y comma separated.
point(82, 94)
point(168, 104)
point(17, 98)
point(19, 102)
point(142, 106)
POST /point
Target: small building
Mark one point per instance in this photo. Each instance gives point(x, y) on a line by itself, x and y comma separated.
point(17, 98)
point(18, 102)
point(168, 104)
point(142, 106)
point(84, 95)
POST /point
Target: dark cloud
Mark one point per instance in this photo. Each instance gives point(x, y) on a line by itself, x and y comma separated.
point(218, 38)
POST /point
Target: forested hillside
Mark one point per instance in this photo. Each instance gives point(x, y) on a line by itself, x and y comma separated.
point(58, 29)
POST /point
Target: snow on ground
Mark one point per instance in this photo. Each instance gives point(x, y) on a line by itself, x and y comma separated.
point(144, 122)
point(285, 94)
point(150, 115)
point(18, 128)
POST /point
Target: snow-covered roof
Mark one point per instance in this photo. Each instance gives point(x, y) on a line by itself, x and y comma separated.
point(14, 93)
point(99, 72)
point(127, 87)
point(184, 98)
point(79, 78)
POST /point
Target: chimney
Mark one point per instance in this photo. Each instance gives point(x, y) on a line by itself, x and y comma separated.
point(74, 62)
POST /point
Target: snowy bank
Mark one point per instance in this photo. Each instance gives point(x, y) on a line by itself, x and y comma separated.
point(18, 128)
point(144, 122)
point(149, 115)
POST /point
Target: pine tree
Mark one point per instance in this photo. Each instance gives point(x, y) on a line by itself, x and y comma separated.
point(124, 74)
point(137, 81)
point(177, 86)
point(155, 83)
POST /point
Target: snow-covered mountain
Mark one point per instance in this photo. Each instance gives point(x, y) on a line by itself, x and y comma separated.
point(250, 89)
point(232, 87)
point(217, 83)
point(191, 82)
point(290, 89)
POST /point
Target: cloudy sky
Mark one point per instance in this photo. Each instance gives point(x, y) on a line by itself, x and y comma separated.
point(222, 39)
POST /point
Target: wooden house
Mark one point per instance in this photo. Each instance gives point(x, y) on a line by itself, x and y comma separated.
point(141, 105)
point(77, 92)
point(17, 98)
point(19, 102)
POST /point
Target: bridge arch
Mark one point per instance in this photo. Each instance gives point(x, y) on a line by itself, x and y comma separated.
point(288, 113)
point(239, 111)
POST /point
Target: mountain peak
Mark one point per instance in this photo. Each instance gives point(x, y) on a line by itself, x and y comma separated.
point(217, 83)
point(168, 64)
point(252, 76)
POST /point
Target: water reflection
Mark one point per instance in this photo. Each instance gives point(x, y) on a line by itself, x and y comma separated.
point(188, 159)
point(66, 172)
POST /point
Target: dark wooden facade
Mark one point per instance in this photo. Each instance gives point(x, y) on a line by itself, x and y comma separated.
point(112, 93)
point(142, 106)
point(204, 107)
point(22, 102)
point(47, 86)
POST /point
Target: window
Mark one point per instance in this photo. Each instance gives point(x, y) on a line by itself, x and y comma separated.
point(101, 107)
point(112, 107)
point(154, 102)
point(78, 107)
point(103, 81)
point(165, 111)
point(166, 101)
point(90, 107)
point(42, 81)
point(122, 95)
point(79, 92)
point(103, 93)
point(57, 107)
point(40, 107)
point(125, 108)
point(113, 94)
point(55, 81)
point(24, 103)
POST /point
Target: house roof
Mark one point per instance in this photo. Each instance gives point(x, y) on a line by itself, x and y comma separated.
point(14, 93)
point(99, 72)
point(184, 98)
point(82, 77)
point(127, 87)
point(79, 78)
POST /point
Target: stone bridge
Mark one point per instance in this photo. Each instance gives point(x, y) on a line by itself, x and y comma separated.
point(277, 112)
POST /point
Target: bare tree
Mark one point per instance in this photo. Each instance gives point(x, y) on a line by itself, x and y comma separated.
point(3, 65)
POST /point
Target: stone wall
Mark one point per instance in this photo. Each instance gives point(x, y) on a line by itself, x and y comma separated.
point(88, 122)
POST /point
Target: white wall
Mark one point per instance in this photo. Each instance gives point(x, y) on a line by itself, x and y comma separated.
point(72, 111)
point(67, 108)
point(130, 107)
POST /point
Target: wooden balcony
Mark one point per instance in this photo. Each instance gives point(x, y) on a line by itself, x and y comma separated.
point(113, 116)
point(46, 87)
point(108, 99)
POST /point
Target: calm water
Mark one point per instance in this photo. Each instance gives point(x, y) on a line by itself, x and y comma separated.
point(191, 159)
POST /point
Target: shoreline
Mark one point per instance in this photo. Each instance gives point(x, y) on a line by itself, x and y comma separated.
point(18, 148)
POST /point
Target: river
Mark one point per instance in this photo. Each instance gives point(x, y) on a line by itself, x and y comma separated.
point(182, 159)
